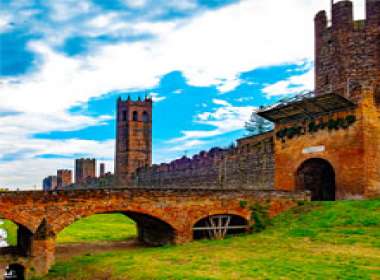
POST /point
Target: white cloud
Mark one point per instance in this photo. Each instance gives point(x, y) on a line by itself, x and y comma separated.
point(5, 21)
point(212, 48)
point(135, 3)
point(65, 10)
point(293, 85)
point(34, 170)
point(224, 119)
point(156, 97)
point(28, 170)
point(102, 21)
point(220, 102)
point(185, 145)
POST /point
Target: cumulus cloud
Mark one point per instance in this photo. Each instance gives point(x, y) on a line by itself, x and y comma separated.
point(210, 49)
point(293, 85)
point(224, 119)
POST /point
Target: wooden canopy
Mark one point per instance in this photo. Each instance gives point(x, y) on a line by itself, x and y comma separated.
point(305, 107)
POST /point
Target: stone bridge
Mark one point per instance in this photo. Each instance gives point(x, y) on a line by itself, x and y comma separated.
point(161, 216)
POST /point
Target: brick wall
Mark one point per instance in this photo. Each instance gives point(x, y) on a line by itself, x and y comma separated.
point(250, 165)
point(347, 53)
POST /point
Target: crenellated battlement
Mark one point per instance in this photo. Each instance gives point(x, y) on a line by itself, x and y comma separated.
point(342, 18)
point(347, 50)
point(342, 15)
point(147, 101)
point(249, 165)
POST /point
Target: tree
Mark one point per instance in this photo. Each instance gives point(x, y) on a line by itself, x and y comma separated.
point(258, 125)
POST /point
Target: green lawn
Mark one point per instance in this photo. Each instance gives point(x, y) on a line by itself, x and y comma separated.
point(329, 240)
point(101, 227)
point(11, 230)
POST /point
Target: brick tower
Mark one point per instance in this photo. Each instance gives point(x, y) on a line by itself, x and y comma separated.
point(347, 62)
point(347, 52)
point(133, 137)
point(85, 168)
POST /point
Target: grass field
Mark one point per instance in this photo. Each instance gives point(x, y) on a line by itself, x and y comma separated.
point(11, 230)
point(329, 240)
point(101, 227)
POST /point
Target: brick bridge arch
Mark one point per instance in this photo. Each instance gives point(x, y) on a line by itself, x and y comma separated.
point(162, 216)
point(150, 223)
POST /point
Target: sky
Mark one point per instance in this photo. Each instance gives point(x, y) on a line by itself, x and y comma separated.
point(207, 64)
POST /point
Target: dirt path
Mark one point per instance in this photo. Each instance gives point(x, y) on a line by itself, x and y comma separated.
point(69, 250)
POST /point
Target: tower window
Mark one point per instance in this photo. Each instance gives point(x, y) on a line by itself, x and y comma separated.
point(124, 116)
point(145, 117)
point(135, 116)
point(377, 96)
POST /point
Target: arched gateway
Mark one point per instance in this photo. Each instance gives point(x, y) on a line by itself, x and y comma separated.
point(317, 176)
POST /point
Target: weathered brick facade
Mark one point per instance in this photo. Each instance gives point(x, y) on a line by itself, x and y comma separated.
point(250, 165)
point(347, 62)
point(133, 137)
point(347, 53)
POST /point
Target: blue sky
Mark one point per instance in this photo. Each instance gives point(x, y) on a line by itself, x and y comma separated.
point(207, 64)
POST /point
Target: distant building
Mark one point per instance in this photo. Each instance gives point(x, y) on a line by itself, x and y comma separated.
point(84, 169)
point(49, 183)
point(64, 177)
point(102, 170)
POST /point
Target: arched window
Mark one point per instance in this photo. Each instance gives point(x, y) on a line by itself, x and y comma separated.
point(145, 117)
point(135, 116)
point(377, 96)
point(124, 116)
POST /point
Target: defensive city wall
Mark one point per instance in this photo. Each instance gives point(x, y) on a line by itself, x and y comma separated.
point(249, 165)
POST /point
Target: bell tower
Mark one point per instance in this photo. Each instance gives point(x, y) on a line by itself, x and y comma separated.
point(133, 137)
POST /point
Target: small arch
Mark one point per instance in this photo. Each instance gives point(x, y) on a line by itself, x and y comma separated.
point(145, 116)
point(135, 116)
point(15, 271)
point(220, 225)
point(317, 176)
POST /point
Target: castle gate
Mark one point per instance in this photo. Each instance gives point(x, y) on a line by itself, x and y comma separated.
point(317, 176)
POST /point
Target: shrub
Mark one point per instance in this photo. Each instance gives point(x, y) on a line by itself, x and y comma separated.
point(243, 203)
point(260, 217)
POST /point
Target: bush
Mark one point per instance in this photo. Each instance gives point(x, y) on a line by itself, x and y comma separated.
point(243, 203)
point(260, 217)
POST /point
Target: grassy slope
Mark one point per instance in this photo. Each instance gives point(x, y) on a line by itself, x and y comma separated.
point(102, 227)
point(330, 240)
